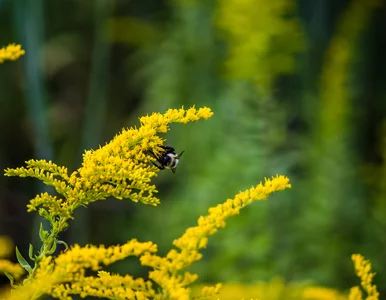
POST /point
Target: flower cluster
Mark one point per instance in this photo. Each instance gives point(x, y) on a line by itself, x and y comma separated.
point(166, 269)
point(69, 273)
point(276, 289)
point(121, 169)
point(262, 36)
point(11, 52)
point(363, 271)
point(66, 274)
point(321, 293)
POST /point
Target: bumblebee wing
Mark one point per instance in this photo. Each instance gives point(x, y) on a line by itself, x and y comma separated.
point(179, 155)
point(173, 170)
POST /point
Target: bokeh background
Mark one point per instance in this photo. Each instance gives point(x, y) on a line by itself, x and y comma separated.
point(297, 87)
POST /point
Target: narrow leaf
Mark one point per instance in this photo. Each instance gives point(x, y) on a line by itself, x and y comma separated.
point(53, 248)
point(31, 252)
point(42, 233)
point(10, 277)
point(62, 243)
point(23, 262)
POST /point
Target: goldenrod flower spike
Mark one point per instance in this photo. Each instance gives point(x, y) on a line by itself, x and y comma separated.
point(66, 275)
point(363, 271)
point(321, 293)
point(120, 168)
point(11, 52)
point(166, 269)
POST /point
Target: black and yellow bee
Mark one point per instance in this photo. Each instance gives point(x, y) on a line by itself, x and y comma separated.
point(168, 158)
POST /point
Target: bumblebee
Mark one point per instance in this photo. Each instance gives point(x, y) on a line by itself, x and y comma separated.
point(168, 158)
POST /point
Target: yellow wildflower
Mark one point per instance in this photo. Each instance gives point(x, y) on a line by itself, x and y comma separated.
point(71, 267)
point(263, 37)
point(15, 270)
point(355, 293)
point(5, 246)
point(41, 284)
point(321, 293)
point(11, 52)
point(120, 168)
point(208, 291)
point(363, 271)
point(66, 275)
point(166, 269)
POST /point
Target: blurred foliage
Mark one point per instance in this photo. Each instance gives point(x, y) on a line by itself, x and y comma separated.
point(277, 289)
point(261, 36)
point(297, 87)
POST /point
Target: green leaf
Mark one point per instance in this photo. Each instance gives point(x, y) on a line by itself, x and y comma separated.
point(23, 262)
point(42, 233)
point(10, 277)
point(62, 243)
point(31, 252)
point(53, 248)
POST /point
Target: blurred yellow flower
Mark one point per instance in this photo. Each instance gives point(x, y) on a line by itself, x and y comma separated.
point(15, 270)
point(263, 38)
point(363, 271)
point(5, 246)
point(11, 52)
point(321, 293)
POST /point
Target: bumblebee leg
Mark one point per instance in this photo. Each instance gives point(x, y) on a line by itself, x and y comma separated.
point(158, 166)
point(179, 155)
point(152, 153)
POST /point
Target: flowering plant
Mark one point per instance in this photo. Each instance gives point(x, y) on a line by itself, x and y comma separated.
point(120, 169)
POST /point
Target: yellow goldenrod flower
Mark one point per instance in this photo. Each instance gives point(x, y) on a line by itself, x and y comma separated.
point(15, 270)
point(262, 38)
point(120, 169)
point(321, 293)
point(355, 293)
point(166, 269)
point(363, 271)
point(66, 275)
point(11, 52)
point(71, 267)
point(209, 291)
point(5, 246)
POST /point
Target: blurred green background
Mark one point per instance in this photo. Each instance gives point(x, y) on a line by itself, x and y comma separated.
point(297, 87)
